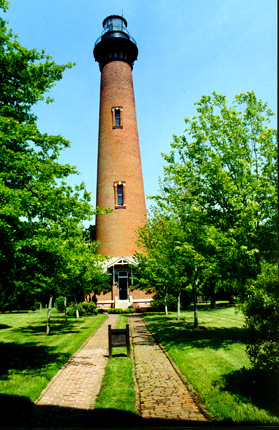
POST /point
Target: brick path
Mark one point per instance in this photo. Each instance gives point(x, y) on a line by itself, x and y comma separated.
point(74, 389)
point(78, 383)
point(68, 400)
point(162, 394)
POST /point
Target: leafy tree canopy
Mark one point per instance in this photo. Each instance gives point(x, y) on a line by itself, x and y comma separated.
point(39, 210)
point(223, 172)
point(216, 217)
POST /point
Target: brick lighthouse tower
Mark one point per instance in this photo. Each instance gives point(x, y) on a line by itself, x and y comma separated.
point(119, 175)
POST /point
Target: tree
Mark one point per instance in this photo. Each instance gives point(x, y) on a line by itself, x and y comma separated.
point(166, 264)
point(83, 269)
point(151, 272)
point(261, 310)
point(222, 173)
point(40, 215)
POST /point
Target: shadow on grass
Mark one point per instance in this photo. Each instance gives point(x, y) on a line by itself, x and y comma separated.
point(172, 332)
point(3, 326)
point(114, 355)
point(206, 306)
point(29, 416)
point(19, 412)
point(26, 357)
point(254, 386)
point(57, 326)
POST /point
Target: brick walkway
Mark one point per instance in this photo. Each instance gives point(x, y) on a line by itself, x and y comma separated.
point(68, 400)
point(78, 383)
point(76, 386)
point(162, 394)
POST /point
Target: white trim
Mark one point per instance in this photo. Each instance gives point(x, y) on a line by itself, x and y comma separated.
point(102, 302)
point(142, 300)
point(120, 261)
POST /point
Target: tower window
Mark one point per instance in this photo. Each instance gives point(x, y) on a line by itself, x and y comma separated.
point(117, 117)
point(119, 194)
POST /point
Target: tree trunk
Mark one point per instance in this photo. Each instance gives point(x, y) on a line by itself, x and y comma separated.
point(212, 296)
point(166, 304)
point(48, 315)
point(178, 305)
point(77, 312)
point(65, 306)
point(196, 321)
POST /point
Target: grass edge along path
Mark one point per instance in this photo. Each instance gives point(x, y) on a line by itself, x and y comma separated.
point(117, 390)
point(30, 359)
point(212, 360)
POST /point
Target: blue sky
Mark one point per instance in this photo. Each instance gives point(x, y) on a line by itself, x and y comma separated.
point(187, 48)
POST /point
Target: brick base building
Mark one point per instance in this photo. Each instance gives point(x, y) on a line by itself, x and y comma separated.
point(122, 294)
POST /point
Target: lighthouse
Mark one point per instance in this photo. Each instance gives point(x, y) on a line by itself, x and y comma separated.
point(119, 171)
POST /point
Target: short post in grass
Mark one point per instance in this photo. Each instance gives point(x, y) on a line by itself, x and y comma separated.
point(119, 337)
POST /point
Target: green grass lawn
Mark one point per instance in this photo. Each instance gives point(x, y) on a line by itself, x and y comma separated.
point(29, 358)
point(214, 361)
point(212, 358)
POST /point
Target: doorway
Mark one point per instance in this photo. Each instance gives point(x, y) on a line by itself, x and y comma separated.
point(123, 285)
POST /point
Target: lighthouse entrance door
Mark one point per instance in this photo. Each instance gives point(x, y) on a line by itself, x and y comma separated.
point(123, 285)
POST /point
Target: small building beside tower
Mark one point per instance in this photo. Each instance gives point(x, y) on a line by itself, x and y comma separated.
point(119, 172)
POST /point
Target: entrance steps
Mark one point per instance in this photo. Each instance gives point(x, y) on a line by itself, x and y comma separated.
point(122, 304)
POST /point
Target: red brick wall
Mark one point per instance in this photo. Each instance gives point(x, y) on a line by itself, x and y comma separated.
point(135, 294)
point(118, 160)
point(139, 294)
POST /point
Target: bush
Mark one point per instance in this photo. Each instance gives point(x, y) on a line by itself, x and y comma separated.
point(129, 310)
point(115, 311)
point(59, 304)
point(121, 311)
point(71, 311)
point(84, 308)
point(262, 316)
point(35, 306)
point(89, 308)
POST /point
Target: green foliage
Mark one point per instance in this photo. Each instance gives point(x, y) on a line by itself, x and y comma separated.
point(216, 215)
point(89, 308)
point(121, 311)
point(222, 172)
point(59, 304)
point(167, 263)
point(84, 308)
point(158, 302)
point(261, 310)
point(43, 251)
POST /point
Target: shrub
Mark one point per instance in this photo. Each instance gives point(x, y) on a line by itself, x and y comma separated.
point(115, 311)
point(35, 306)
point(262, 316)
point(84, 308)
point(59, 304)
point(121, 311)
point(89, 308)
point(71, 311)
point(129, 310)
